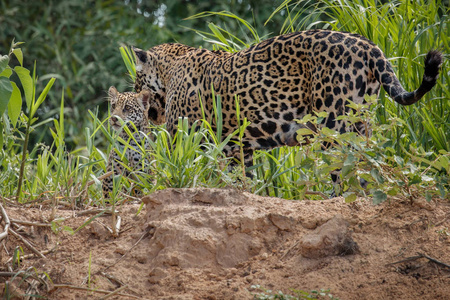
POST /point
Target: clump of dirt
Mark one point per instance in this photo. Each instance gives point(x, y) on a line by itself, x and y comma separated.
point(220, 244)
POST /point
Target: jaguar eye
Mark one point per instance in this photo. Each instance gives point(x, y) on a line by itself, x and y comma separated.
point(113, 106)
point(126, 108)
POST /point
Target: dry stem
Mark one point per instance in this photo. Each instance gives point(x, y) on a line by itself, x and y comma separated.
point(7, 223)
point(67, 286)
point(27, 243)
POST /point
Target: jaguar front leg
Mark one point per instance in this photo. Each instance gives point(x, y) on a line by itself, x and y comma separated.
point(115, 166)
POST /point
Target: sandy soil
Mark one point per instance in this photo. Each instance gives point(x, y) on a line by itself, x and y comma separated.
point(219, 244)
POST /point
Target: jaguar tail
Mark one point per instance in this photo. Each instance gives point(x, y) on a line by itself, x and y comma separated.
point(392, 85)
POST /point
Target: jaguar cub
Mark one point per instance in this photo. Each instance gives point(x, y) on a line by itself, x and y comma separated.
point(277, 81)
point(129, 107)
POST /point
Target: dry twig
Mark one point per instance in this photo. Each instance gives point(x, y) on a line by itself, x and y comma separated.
point(434, 260)
point(30, 223)
point(115, 292)
point(112, 278)
point(94, 211)
point(15, 274)
point(7, 223)
point(443, 221)
point(289, 250)
point(68, 286)
point(144, 234)
point(420, 255)
point(27, 243)
point(26, 256)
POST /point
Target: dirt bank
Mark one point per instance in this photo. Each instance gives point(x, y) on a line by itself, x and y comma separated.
point(217, 244)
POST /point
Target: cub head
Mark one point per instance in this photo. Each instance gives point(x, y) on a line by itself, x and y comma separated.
point(135, 107)
point(130, 107)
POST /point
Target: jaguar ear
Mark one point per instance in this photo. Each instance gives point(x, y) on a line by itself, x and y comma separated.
point(113, 94)
point(144, 99)
point(141, 55)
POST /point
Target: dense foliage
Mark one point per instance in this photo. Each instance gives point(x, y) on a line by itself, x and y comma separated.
point(77, 42)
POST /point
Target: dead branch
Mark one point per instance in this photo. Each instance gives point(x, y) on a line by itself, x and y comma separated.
point(26, 256)
point(10, 202)
point(67, 286)
point(94, 211)
point(434, 260)
point(147, 232)
point(112, 278)
point(115, 292)
point(27, 243)
point(289, 250)
point(420, 255)
point(29, 223)
point(7, 223)
point(128, 197)
point(15, 274)
point(404, 260)
point(443, 221)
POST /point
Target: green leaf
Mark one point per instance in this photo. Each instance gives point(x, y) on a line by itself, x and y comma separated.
point(6, 73)
point(442, 190)
point(217, 33)
point(128, 59)
point(399, 160)
point(329, 132)
point(307, 118)
point(376, 175)
point(350, 198)
point(349, 161)
point(322, 114)
point(4, 61)
point(15, 105)
point(393, 191)
point(42, 96)
point(5, 93)
point(305, 131)
point(379, 197)
point(27, 83)
point(426, 178)
point(18, 53)
point(86, 223)
point(1, 135)
point(415, 180)
point(346, 169)
point(428, 196)
point(68, 229)
point(307, 163)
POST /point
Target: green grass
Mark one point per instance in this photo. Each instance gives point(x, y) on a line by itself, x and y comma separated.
point(408, 153)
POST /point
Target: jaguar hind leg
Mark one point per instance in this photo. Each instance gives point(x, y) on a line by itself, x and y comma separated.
point(248, 162)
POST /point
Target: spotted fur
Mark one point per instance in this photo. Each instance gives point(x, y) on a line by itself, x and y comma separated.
point(277, 81)
point(129, 107)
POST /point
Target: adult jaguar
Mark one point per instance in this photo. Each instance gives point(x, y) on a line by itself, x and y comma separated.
point(277, 81)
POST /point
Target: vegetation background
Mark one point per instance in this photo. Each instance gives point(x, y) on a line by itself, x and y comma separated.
point(77, 43)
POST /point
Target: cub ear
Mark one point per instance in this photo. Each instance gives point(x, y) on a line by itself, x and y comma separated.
point(144, 99)
point(113, 94)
